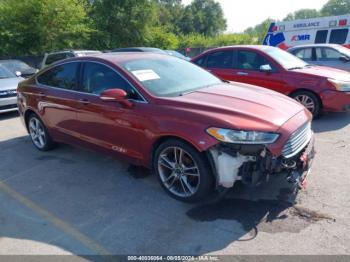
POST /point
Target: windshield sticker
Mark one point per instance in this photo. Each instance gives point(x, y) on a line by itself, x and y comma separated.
point(145, 75)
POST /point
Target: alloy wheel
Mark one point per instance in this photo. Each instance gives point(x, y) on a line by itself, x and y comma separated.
point(306, 101)
point(37, 132)
point(178, 172)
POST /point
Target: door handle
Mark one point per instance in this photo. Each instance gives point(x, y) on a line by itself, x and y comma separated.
point(242, 74)
point(84, 101)
point(41, 94)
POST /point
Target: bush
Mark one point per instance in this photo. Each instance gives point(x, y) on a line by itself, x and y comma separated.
point(160, 38)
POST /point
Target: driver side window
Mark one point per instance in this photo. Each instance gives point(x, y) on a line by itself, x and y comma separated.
point(327, 54)
point(98, 78)
point(249, 60)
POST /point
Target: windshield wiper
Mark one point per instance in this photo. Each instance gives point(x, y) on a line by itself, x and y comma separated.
point(300, 67)
point(188, 92)
point(295, 68)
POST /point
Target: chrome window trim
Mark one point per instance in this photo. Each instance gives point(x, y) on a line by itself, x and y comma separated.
point(144, 100)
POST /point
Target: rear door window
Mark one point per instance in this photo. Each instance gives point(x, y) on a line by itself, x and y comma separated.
point(338, 36)
point(321, 37)
point(220, 59)
point(304, 54)
point(62, 76)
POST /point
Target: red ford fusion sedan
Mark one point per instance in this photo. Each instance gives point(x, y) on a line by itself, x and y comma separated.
point(317, 88)
point(197, 133)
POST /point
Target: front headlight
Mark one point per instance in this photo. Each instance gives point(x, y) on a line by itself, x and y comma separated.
point(342, 86)
point(242, 137)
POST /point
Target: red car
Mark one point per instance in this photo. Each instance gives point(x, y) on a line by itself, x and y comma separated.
point(317, 88)
point(196, 132)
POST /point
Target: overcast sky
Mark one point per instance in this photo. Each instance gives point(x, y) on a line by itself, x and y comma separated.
point(241, 14)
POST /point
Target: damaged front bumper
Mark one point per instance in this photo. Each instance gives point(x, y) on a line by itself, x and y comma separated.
point(253, 164)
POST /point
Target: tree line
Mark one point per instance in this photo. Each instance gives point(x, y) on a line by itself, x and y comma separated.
point(37, 26)
point(33, 27)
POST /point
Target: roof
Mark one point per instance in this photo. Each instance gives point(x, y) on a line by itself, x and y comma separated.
point(313, 45)
point(138, 49)
point(253, 47)
point(116, 58)
point(72, 51)
point(260, 47)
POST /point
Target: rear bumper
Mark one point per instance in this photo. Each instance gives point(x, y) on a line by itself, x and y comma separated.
point(8, 104)
point(335, 101)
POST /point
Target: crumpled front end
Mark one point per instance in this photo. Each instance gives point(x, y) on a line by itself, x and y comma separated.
point(292, 154)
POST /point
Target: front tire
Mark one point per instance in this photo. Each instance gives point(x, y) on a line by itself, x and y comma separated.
point(308, 100)
point(182, 171)
point(38, 134)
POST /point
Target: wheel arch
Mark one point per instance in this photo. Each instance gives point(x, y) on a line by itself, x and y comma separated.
point(26, 116)
point(164, 138)
point(303, 89)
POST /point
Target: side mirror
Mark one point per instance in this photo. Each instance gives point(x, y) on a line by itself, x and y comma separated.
point(344, 58)
point(18, 73)
point(266, 68)
point(116, 95)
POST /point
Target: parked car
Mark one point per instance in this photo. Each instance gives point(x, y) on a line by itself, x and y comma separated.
point(8, 93)
point(18, 67)
point(196, 132)
point(177, 54)
point(140, 49)
point(50, 58)
point(335, 56)
point(313, 30)
point(317, 88)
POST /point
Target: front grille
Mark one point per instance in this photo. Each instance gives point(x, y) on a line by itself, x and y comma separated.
point(8, 93)
point(297, 141)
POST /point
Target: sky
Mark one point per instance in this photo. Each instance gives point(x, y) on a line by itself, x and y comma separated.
point(243, 14)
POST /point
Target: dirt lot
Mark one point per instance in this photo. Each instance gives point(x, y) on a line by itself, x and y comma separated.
point(73, 201)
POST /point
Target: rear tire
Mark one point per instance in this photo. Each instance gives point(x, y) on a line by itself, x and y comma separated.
point(182, 171)
point(38, 134)
point(309, 100)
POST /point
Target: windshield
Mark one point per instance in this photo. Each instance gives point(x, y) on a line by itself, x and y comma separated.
point(5, 73)
point(343, 50)
point(15, 65)
point(285, 59)
point(169, 76)
point(176, 54)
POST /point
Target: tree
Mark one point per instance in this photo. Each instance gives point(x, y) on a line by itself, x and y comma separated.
point(336, 7)
point(120, 23)
point(38, 26)
point(258, 32)
point(302, 14)
point(168, 12)
point(203, 17)
point(160, 38)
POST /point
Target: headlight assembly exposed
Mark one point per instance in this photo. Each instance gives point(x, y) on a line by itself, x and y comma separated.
point(342, 86)
point(242, 137)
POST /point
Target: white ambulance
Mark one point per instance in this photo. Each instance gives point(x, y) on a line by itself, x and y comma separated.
point(320, 30)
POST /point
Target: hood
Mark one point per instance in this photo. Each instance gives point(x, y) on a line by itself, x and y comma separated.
point(9, 83)
point(243, 106)
point(326, 72)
